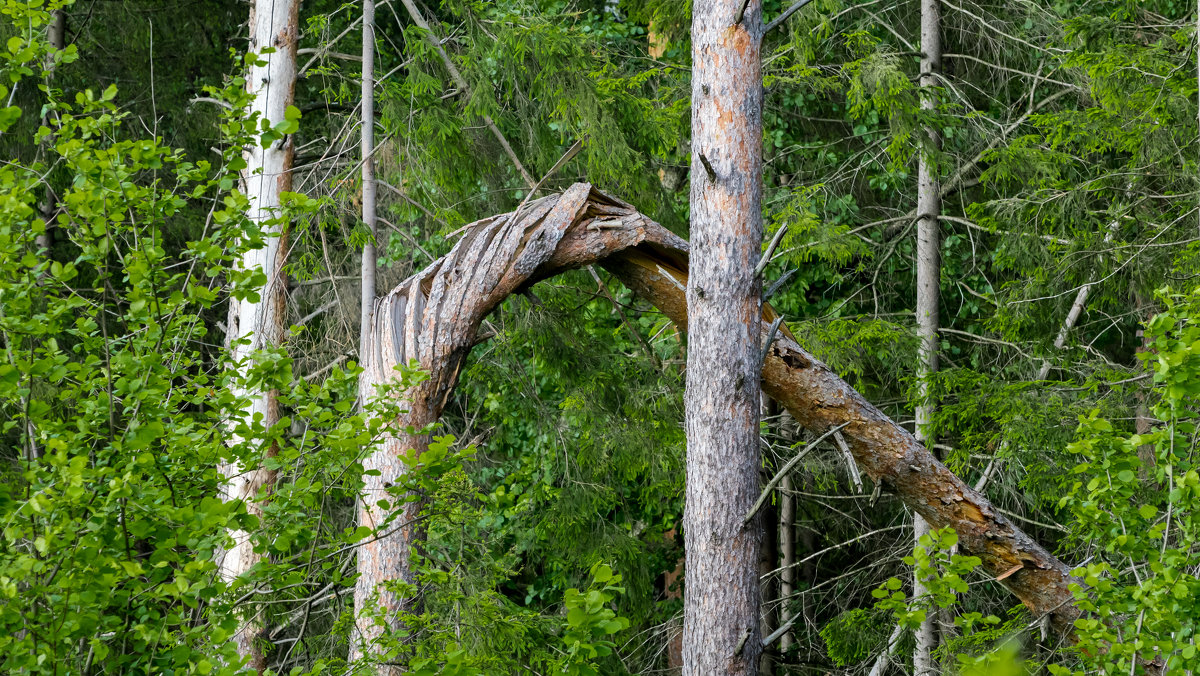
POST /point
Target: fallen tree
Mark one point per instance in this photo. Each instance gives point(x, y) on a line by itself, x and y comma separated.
point(434, 318)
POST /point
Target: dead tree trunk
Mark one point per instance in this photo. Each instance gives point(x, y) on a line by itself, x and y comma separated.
point(257, 325)
point(433, 317)
point(721, 595)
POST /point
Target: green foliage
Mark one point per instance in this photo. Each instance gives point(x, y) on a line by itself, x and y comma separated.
point(855, 636)
point(941, 572)
point(1136, 500)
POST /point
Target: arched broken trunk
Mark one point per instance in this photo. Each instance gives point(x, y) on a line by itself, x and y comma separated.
point(434, 316)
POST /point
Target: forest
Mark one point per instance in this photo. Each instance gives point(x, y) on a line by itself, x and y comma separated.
point(599, 337)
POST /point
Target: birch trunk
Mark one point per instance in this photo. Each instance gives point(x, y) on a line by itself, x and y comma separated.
point(721, 596)
point(367, 133)
point(257, 325)
point(928, 286)
point(55, 36)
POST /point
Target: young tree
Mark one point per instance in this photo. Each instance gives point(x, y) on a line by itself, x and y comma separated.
point(258, 322)
point(369, 257)
point(929, 273)
point(721, 594)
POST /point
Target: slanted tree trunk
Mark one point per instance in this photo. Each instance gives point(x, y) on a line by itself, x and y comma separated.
point(928, 295)
point(435, 315)
point(721, 598)
point(257, 325)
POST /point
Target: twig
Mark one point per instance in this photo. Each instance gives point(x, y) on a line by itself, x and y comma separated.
point(779, 283)
point(770, 338)
point(766, 257)
point(708, 169)
point(741, 12)
point(459, 80)
point(566, 157)
point(796, 7)
point(620, 313)
point(783, 472)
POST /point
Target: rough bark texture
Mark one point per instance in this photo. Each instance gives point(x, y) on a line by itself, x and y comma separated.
point(434, 316)
point(721, 598)
point(268, 173)
point(929, 272)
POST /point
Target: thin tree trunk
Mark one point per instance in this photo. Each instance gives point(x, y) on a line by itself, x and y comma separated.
point(369, 258)
point(881, 663)
point(367, 633)
point(787, 542)
point(928, 294)
point(434, 317)
point(258, 325)
point(721, 403)
point(55, 36)
point(768, 558)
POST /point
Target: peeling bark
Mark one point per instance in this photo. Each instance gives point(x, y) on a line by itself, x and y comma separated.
point(433, 318)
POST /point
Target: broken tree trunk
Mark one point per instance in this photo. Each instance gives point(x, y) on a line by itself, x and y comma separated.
point(433, 318)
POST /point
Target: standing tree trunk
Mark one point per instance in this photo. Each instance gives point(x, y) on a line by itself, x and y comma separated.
point(787, 546)
point(372, 555)
point(721, 595)
point(928, 285)
point(257, 325)
point(369, 258)
point(56, 37)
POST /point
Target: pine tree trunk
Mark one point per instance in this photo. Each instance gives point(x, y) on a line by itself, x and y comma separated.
point(273, 24)
point(928, 296)
point(721, 596)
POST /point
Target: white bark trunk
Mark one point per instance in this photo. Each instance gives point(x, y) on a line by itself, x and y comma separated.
point(273, 24)
point(55, 35)
point(787, 539)
point(369, 257)
point(928, 285)
point(721, 633)
point(366, 632)
point(881, 662)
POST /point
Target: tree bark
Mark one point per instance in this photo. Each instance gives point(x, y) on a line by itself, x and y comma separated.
point(367, 632)
point(257, 325)
point(787, 546)
point(721, 598)
point(369, 257)
point(55, 37)
point(928, 295)
point(434, 317)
